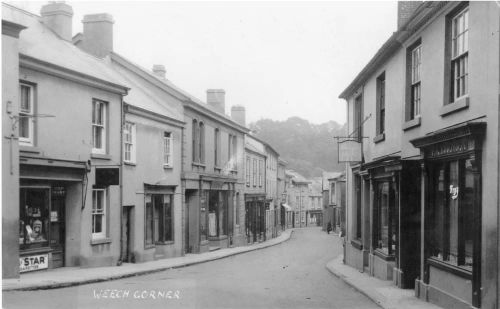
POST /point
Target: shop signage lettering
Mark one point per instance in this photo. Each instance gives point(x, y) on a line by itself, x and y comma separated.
point(33, 262)
point(217, 184)
point(448, 148)
point(453, 192)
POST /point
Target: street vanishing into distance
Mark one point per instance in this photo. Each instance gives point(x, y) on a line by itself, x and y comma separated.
point(289, 275)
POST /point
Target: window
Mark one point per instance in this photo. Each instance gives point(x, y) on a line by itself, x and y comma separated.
point(248, 172)
point(217, 147)
point(98, 213)
point(415, 88)
point(26, 114)
point(381, 104)
point(232, 149)
point(201, 146)
point(452, 214)
point(254, 172)
point(129, 142)
point(386, 228)
point(358, 125)
point(237, 208)
point(98, 126)
point(357, 188)
point(34, 215)
point(332, 193)
point(459, 54)
point(261, 172)
point(167, 149)
point(217, 213)
point(196, 143)
point(159, 218)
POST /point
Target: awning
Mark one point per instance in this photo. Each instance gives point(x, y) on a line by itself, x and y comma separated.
point(287, 207)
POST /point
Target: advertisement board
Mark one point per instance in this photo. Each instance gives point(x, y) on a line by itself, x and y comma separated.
point(33, 262)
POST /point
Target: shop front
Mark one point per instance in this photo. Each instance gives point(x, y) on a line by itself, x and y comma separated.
point(48, 188)
point(451, 173)
point(255, 217)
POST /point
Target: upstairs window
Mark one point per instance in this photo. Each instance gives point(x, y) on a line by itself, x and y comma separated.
point(196, 143)
point(217, 153)
point(99, 126)
point(129, 142)
point(460, 54)
point(381, 104)
point(416, 60)
point(26, 114)
point(248, 172)
point(201, 140)
point(167, 149)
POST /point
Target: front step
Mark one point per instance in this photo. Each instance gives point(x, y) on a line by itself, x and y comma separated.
point(210, 249)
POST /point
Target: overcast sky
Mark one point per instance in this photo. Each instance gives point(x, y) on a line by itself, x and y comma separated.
point(278, 59)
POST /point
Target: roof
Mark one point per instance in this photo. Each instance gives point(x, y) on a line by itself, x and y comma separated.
point(264, 142)
point(41, 43)
point(326, 176)
point(421, 15)
point(297, 178)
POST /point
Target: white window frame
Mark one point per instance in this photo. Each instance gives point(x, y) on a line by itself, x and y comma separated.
point(416, 85)
point(130, 130)
point(27, 141)
point(460, 54)
point(102, 149)
point(95, 212)
point(168, 147)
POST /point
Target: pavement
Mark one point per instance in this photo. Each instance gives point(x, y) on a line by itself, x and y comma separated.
point(382, 292)
point(71, 276)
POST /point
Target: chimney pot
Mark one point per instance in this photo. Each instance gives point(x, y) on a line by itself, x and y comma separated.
point(98, 34)
point(159, 70)
point(216, 100)
point(58, 17)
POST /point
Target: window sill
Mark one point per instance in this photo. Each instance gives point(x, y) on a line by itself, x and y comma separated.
point(30, 149)
point(168, 242)
point(168, 167)
point(379, 138)
point(383, 255)
point(458, 271)
point(100, 241)
point(198, 164)
point(456, 106)
point(100, 156)
point(357, 244)
point(413, 123)
point(129, 163)
point(221, 237)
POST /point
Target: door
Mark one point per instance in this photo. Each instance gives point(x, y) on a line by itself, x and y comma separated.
point(126, 234)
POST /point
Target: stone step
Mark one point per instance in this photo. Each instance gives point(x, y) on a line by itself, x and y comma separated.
point(213, 249)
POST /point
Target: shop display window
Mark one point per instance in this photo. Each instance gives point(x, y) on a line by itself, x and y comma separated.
point(34, 217)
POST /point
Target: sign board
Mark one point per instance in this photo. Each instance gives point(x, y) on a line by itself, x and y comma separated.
point(33, 262)
point(349, 151)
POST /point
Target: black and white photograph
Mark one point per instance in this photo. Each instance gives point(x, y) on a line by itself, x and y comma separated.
point(250, 154)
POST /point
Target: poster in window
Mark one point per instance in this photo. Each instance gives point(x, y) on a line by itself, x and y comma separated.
point(212, 230)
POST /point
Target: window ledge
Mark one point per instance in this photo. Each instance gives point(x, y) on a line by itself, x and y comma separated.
point(168, 167)
point(413, 123)
point(379, 138)
point(100, 241)
point(456, 270)
point(198, 164)
point(168, 242)
point(383, 255)
point(100, 156)
point(221, 237)
point(31, 149)
point(455, 106)
point(357, 244)
point(129, 163)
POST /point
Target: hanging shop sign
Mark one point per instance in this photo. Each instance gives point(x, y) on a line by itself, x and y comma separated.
point(33, 262)
point(349, 150)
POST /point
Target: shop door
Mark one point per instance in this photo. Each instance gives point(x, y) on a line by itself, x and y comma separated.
point(57, 226)
point(126, 234)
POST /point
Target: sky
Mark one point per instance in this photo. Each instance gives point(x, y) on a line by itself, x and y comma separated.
point(278, 59)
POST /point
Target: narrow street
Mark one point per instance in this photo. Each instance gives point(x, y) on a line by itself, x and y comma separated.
point(289, 275)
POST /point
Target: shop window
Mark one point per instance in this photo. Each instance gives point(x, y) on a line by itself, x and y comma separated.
point(168, 149)
point(357, 188)
point(26, 114)
point(203, 215)
point(385, 224)
point(99, 126)
point(98, 213)
point(129, 142)
point(34, 215)
point(159, 218)
point(452, 214)
point(217, 213)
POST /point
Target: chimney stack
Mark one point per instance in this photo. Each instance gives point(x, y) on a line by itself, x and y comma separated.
point(216, 100)
point(406, 10)
point(238, 114)
point(98, 34)
point(159, 70)
point(58, 17)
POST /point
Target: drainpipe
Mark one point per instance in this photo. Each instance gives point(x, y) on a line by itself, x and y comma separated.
point(122, 123)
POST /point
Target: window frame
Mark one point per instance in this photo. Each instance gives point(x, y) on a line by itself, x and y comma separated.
point(132, 142)
point(459, 58)
point(168, 140)
point(248, 176)
point(217, 146)
point(103, 233)
point(201, 140)
point(29, 114)
point(416, 81)
point(381, 102)
point(157, 222)
point(195, 142)
point(103, 126)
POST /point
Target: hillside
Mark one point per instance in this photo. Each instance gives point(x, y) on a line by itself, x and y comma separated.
point(309, 149)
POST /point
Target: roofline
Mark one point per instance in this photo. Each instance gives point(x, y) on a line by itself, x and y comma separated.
point(75, 76)
point(417, 20)
point(255, 152)
point(142, 112)
point(265, 144)
point(214, 115)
